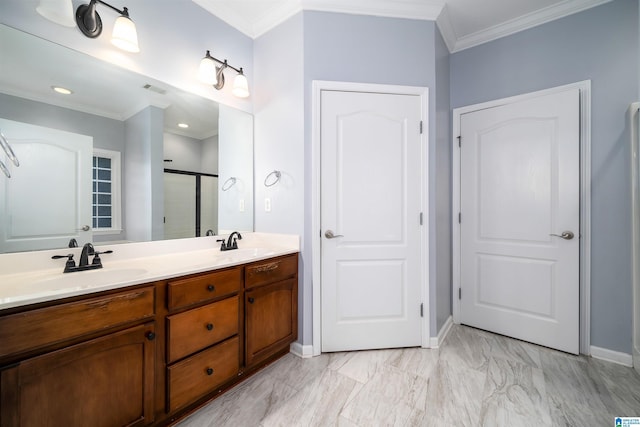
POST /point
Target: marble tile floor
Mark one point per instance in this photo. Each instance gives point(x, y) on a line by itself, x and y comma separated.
point(474, 379)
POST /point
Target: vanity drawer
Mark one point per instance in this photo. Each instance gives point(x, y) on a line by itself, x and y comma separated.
point(269, 271)
point(206, 287)
point(196, 376)
point(37, 328)
point(201, 327)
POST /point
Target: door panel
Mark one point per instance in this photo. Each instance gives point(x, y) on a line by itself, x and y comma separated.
point(370, 198)
point(34, 212)
point(519, 186)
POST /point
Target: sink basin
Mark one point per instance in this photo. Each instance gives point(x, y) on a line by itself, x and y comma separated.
point(242, 254)
point(85, 279)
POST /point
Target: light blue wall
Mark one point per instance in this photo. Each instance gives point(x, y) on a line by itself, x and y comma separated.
point(279, 144)
point(600, 44)
point(442, 249)
point(366, 49)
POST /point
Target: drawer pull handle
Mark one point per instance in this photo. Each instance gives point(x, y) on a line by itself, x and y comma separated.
point(209, 371)
point(209, 326)
point(211, 288)
point(150, 336)
point(267, 267)
point(251, 300)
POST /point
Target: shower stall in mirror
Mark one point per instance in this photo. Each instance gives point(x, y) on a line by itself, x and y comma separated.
point(190, 204)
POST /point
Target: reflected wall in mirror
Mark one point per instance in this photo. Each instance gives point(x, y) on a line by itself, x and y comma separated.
point(133, 124)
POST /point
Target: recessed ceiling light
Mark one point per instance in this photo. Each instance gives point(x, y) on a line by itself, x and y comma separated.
point(62, 90)
point(183, 125)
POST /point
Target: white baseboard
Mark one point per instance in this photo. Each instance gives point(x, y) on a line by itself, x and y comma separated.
point(304, 351)
point(436, 342)
point(612, 356)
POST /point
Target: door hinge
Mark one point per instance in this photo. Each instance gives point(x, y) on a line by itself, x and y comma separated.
point(459, 141)
point(459, 293)
point(421, 309)
point(421, 218)
point(420, 127)
point(459, 217)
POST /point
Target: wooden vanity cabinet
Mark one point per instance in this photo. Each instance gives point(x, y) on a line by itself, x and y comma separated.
point(271, 307)
point(106, 380)
point(203, 344)
point(146, 354)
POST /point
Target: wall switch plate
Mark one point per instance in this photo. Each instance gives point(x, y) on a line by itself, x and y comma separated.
point(241, 205)
point(267, 204)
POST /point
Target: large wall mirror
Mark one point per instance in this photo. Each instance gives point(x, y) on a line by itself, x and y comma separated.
point(122, 158)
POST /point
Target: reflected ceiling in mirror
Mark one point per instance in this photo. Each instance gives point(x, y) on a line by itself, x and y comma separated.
point(103, 92)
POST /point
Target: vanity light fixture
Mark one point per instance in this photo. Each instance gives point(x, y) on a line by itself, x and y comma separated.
point(58, 11)
point(124, 35)
point(212, 73)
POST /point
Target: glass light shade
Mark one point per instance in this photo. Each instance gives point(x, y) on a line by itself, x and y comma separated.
point(241, 86)
point(58, 11)
point(125, 35)
point(207, 71)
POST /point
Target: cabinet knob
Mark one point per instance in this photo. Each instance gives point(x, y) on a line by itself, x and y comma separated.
point(251, 300)
point(211, 288)
point(209, 326)
point(209, 371)
point(150, 336)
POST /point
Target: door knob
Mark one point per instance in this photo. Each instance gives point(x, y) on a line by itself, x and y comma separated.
point(566, 235)
point(329, 235)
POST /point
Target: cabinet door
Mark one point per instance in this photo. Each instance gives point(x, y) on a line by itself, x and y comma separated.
point(106, 382)
point(271, 319)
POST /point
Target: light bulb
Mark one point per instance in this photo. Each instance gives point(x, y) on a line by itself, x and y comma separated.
point(241, 86)
point(207, 71)
point(125, 35)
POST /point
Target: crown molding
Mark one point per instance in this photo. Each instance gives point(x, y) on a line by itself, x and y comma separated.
point(530, 20)
point(411, 9)
point(430, 10)
point(446, 29)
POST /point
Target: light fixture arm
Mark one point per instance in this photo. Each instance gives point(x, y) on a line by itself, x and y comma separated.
point(224, 64)
point(88, 19)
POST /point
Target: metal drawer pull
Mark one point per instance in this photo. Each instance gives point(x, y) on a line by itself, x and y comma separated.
point(267, 267)
point(209, 371)
point(209, 326)
point(211, 288)
point(251, 300)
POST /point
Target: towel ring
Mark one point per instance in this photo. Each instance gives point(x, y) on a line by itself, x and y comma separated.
point(7, 149)
point(277, 175)
point(228, 183)
point(4, 169)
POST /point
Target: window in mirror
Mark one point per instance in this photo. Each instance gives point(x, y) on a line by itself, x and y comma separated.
point(106, 191)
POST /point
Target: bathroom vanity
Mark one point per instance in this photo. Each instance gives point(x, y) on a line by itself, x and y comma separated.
point(148, 350)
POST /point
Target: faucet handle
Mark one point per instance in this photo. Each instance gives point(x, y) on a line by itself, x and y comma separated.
point(96, 258)
point(69, 265)
point(223, 245)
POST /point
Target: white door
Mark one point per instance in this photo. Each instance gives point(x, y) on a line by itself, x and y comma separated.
point(47, 200)
point(520, 220)
point(370, 200)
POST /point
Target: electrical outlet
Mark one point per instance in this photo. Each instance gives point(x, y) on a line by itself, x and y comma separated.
point(267, 204)
point(241, 205)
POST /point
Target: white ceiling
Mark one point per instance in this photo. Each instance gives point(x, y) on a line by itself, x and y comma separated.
point(463, 23)
point(99, 88)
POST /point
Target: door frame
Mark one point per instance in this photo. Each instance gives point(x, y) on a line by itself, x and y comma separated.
point(585, 199)
point(317, 87)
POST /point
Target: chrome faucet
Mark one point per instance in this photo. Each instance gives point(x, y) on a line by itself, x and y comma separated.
point(231, 242)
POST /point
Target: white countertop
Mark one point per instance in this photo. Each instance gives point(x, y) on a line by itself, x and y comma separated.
point(31, 277)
